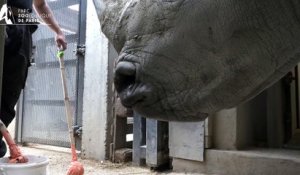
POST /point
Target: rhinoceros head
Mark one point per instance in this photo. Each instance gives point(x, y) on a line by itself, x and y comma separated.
point(185, 59)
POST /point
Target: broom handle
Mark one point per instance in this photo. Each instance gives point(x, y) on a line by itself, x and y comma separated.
point(67, 107)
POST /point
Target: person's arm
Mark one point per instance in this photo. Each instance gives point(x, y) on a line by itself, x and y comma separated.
point(43, 10)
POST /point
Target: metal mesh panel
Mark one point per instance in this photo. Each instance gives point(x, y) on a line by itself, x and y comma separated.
point(43, 107)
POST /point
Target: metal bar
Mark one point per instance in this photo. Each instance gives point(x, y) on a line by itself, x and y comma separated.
point(138, 153)
point(157, 141)
point(47, 141)
point(48, 102)
point(80, 68)
point(152, 142)
point(55, 64)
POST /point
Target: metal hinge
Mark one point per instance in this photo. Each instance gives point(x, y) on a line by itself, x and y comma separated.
point(80, 50)
point(77, 131)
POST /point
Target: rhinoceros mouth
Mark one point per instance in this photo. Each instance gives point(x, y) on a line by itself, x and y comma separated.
point(128, 84)
point(136, 95)
point(146, 97)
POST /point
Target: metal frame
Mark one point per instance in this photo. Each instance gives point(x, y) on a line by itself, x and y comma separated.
point(79, 77)
point(80, 68)
point(150, 142)
point(139, 140)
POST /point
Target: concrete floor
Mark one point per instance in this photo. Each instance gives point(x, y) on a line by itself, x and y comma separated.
point(59, 160)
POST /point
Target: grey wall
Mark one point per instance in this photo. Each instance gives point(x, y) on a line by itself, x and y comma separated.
point(252, 122)
point(112, 54)
point(224, 132)
point(259, 122)
point(95, 93)
point(276, 110)
point(186, 140)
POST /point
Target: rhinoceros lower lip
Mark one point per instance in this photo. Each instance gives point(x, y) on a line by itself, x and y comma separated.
point(142, 98)
point(135, 94)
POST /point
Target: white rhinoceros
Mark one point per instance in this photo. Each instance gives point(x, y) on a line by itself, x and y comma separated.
point(185, 59)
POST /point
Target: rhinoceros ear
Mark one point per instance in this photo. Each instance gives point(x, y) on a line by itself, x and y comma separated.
point(110, 14)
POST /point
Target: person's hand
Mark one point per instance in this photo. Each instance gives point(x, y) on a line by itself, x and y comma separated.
point(61, 41)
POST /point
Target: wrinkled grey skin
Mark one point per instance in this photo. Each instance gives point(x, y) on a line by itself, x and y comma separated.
point(184, 59)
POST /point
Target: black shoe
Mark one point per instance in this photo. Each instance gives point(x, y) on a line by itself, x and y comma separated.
point(3, 148)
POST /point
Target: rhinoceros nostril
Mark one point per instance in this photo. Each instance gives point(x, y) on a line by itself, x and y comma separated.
point(124, 75)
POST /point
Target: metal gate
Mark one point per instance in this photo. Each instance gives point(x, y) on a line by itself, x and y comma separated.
point(41, 111)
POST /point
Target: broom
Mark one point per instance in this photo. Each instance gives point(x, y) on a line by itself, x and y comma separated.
point(15, 152)
point(76, 168)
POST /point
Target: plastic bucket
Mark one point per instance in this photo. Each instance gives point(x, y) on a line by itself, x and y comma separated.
point(36, 165)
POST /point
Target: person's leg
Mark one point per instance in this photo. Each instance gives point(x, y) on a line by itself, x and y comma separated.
point(14, 75)
point(15, 68)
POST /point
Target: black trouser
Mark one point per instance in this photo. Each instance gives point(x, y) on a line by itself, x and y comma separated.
point(18, 44)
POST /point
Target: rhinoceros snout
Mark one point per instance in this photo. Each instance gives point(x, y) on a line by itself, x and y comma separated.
point(124, 76)
point(130, 90)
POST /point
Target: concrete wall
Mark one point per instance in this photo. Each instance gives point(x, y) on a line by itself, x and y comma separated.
point(252, 122)
point(276, 111)
point(224, 131)
point(253, 162)
point(112, 55)
point(186, 140)
point(95, 93)
point(258, 122)
point(241, 127)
